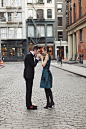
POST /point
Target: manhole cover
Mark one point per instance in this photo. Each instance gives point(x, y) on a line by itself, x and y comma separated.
point(60, 127)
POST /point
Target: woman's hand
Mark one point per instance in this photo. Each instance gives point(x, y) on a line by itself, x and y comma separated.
point(41, 57)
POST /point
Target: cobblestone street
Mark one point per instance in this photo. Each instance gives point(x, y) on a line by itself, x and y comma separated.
point(69, 92)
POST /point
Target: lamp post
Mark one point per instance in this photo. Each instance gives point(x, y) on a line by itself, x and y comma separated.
point(60, 52)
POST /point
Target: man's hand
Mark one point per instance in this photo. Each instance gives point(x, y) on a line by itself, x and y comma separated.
point(38, 56)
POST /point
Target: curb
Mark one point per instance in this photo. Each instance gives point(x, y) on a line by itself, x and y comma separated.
point(68, 71)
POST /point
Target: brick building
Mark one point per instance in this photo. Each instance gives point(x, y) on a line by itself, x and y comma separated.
point(76, 30)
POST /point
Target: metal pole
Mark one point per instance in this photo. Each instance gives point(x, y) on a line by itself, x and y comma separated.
point(0, 46)
point(60, 53)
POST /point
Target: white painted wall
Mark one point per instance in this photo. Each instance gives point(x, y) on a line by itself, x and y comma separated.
point(44, 6)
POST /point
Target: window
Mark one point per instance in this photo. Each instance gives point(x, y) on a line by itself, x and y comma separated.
point(10, 16)
point(59, 21)
point(40, 13)
point(39, 1)
point(2, 3)
point(19, 17)
point(18, 2)
point(74, 11)
point(30, 13)
point(81, 35)
point(30, 1)
point(11, 33)
point(60, 36)
point(59, 7)
point(12, 52)
point(19, 33)
point(49, 31)
point(70, 15)
point(40, 31)
point(2, 17)
point(4, 51)
point(49, 13)
point(10, 3)
point(30, 31)
point(3, 33)
point(80, 8)
point(49, 1)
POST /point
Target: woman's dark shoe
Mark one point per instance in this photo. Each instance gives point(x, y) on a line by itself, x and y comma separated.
point(48, 106)
point(53, 104)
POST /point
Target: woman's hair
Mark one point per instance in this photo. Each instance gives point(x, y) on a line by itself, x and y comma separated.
point(46, 48)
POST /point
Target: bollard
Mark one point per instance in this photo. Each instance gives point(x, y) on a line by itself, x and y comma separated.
point(1, 63)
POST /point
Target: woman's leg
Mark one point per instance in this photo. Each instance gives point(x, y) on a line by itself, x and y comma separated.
point(51, 96)
point(47, 95)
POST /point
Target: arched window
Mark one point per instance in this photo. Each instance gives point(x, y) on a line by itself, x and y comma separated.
point(40, 13)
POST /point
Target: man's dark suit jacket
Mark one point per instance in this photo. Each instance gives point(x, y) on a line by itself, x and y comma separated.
point(29, 66)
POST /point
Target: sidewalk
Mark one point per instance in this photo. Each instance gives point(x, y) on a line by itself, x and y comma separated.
point(81, 71)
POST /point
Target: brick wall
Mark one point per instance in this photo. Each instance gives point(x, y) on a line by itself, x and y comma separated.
point(82, 45)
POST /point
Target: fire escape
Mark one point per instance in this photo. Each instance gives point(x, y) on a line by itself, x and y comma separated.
point(14, 5)
point(40, 16)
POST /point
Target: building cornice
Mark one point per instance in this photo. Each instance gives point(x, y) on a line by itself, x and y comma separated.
point(76, 24)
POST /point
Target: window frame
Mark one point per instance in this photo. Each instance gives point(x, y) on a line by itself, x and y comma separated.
point(48, 1)
point(31, 30)
point(3, 33)
point(81, 34)
point(60, 22)
point(59, 8)
point(10, 33)
point(49, 14)
point(29, 2)
point(29, 13)
point(39, 31)
point(19, 33)
point(49, 31)
point(3, 17)
point(59, 39)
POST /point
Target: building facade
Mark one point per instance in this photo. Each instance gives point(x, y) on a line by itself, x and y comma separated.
point(40, 24)
point(12, 29)
point(77, 30)
point(61, 45)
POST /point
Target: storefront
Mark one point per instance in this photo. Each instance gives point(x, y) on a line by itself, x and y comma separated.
point(12, 51)
point(51, 48)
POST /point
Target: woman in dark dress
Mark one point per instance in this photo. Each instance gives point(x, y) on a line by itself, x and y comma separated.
point(46, 79)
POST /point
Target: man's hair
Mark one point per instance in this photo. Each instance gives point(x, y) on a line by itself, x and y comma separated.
point(35, 47)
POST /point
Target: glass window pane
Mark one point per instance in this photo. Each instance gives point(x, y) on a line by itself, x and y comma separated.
point(19, 33)
point(30, 13)
point(11, 32)
point(30, 1)
point(59, 5)
point(3, 33)
point(30, 31)
point(49, 31)
point(42, 31)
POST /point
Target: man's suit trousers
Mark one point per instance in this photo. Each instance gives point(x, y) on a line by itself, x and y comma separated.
point(29, 84)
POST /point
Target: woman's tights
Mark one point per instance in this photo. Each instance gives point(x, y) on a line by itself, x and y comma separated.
point(49, 95)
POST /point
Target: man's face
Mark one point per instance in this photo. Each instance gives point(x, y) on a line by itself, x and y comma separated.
point(36, 51)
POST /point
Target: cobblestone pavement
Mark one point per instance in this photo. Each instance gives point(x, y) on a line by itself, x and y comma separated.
point(69, 93)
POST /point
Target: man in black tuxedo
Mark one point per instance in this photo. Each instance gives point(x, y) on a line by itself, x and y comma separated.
point(30, 62)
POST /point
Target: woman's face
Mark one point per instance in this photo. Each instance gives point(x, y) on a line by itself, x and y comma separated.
point(43, 52)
